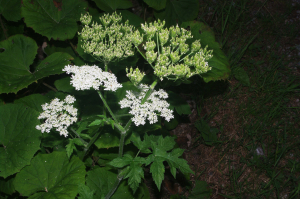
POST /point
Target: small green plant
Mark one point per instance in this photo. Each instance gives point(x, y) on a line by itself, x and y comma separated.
point(91, 110)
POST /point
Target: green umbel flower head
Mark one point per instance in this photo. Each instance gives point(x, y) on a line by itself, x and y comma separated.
point(168, 52)
point(108, 41)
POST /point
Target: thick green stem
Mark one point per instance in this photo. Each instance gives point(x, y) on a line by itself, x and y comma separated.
point(122, 141)
point(115, 186)
point(107, 107)
point(93, 140)
point(83, 142)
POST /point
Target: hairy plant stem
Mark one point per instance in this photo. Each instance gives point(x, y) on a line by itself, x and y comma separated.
point(107, 107)
point(83, 142)
point(93, 140)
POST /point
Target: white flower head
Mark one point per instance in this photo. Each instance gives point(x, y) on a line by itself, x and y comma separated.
point(147, 111)
point(87, 77)
point(58, 115)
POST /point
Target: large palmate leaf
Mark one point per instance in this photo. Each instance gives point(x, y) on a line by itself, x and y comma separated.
point(53, 19)
point(19, 140)
point(19, 53)
point(219, 61)
point(11, 9)
point(51, 176)
point(33, 101)
point(112, 5)
point(157, 4)
point(178, 11)
point(102, 181)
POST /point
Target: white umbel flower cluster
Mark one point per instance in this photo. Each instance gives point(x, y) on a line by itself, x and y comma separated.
point(86, 77)
point(148, 110)
point(59, 115)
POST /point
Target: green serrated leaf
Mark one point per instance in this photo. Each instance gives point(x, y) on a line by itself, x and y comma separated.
point(11, 9)
point(15, 64)
point(178, 11)
point(18, 136)
point(166, 143)
point(51, 176)
point(136, 173)
point(64, 85)
point(110, 138)
point(157, 169)
point(112, 5)
point(209, 135)
point(70, 147)
point(219, 62)
point(141, 145)
point(57, 20)
point(96, 123)
point(101, 180)
point(85, 192)
point(121, 162)
point(241, 75)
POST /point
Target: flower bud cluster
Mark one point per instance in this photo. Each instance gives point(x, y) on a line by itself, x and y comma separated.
point(108, 41)
point(58, 115)
point(154, 104)
point(85, 19)
point(86, 77)
point(135, 76)
point(169, 54)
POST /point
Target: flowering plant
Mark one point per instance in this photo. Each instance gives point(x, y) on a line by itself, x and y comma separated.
point(99, 129)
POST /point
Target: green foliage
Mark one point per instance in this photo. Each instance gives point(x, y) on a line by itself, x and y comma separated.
point(156, 4)
point(53, 20)
point(241, 75)
point(18, 137)
point(51, 175)
point(112, 5)
point(11, 9)
point(85, 192)
point(176, 12)
point(219, 62)
point(7, 186)
point(160, 152)
point(16, 73)
point(200, 191)
point(208, 134)
point(102, 181)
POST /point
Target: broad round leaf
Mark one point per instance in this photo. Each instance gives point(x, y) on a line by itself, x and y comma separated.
point(178, 11)
point(53, 19)
point(11, 9)
point(219, 61)
point(19, 140)
point(51, 176)
point(112, 5)
point(156, 4)
point(19, 53)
